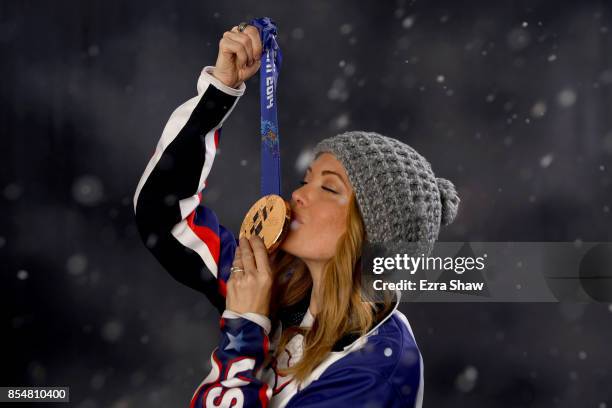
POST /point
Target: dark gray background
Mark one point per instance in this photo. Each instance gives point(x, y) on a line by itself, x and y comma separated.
point(510, 100)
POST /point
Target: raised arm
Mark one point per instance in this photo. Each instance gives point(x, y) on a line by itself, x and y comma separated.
point(175, 225)
point(183, 234)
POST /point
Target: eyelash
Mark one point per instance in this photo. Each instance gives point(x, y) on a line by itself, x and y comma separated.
point(324, 188)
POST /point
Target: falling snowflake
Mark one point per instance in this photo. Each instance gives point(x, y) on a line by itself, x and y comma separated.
point(87, 190)
point(607, 142)
point(546, 160)
point(349, 69)
point(303, 161)
point(408, 22)
point(606, 76)
point(97, 381)
point(112, 331)
point(566, 98)
point(538, 110)
point(93, 50)
point(341, 121)
point(466, 380)
point(346, 29)
point(12, 191)
point(297, 33)
point(338, 91)
point(76, 264)
point(518, 39)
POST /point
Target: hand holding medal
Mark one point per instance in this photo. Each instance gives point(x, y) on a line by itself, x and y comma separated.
point(249, 286)
point(239, 55)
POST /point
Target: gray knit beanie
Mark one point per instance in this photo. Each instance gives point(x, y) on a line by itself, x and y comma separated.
point(399, 197)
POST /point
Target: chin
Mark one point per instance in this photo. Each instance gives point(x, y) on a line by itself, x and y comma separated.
point(295, 246)
point(289, 245)
point(303, 249)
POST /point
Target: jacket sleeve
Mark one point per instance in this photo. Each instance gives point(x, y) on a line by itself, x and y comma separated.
point(182, 233)
point(232, 381)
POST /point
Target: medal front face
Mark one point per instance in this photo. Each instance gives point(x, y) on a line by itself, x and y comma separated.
point(269, 218)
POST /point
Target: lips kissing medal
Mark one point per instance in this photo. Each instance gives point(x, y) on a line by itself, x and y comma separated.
point(270, 216)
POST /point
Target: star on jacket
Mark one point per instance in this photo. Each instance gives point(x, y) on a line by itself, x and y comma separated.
point(235, 342)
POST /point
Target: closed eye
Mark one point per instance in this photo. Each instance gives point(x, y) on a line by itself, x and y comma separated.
point(323, 187)
point(329, 189)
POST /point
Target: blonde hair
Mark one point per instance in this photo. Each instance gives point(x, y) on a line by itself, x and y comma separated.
point(343, 311)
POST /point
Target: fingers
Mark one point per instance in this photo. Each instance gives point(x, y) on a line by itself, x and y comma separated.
point(237, 259)
point(253, 34)
point(261, 254)
point(245, 41)
point(237, 263)
point(254, 255)
point(227, 45)
point(250, 291)
point(248, 259)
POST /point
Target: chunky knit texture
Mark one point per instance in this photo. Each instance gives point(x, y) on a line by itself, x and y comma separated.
point(399, 197)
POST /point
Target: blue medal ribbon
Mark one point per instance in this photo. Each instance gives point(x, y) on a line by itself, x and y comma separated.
point(268, 74)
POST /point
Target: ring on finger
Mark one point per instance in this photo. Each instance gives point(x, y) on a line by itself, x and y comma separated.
point(242, 26)
point(236, 269)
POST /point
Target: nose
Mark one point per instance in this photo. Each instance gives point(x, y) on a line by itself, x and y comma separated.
point(299, 196)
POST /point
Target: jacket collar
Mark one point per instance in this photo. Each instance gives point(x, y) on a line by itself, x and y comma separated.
point(294, 314)
point(349, 338)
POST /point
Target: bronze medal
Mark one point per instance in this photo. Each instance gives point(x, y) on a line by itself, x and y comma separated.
point(270, 218)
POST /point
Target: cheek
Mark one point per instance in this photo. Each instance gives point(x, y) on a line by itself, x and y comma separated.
point(328, 223)
point(318, 238)
point(332, 219)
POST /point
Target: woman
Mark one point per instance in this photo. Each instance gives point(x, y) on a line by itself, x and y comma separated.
point(295, 331)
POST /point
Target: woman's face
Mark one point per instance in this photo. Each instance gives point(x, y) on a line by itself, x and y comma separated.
point(319, 210)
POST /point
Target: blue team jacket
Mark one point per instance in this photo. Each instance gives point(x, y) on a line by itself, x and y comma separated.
point(383, 368)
